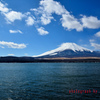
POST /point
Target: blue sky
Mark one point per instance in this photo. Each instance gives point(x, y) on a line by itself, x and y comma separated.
point(32, 27)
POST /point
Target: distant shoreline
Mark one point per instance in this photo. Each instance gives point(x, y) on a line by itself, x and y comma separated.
point(48, 60)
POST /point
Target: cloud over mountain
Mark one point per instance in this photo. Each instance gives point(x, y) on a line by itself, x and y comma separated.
point(96, 46)
point(62, 20)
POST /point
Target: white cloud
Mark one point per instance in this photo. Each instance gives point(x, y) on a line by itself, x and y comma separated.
point(12, 45)
point(10, 54)
point(3, 8)
point(27, 13)
point(13, 15)
point(44, 15)
point(97, 34)
point(96, 46)
point(15, 31)
point(46, 19)
point(42, 31)
point(30, 21)
point(91, 40)
point(49, 7)
point(69, 22)
point(90, 22)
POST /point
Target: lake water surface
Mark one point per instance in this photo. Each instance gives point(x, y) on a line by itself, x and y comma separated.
point(49, 81)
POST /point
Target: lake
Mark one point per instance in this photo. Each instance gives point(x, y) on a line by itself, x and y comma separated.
point(49, 81)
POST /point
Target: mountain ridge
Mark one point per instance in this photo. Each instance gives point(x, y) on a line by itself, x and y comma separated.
point(66, 50)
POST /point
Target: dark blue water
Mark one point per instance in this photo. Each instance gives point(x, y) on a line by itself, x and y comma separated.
point(49, 81)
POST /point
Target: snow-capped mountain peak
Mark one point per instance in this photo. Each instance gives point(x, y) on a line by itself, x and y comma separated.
point(72, 46)
point(65, 46)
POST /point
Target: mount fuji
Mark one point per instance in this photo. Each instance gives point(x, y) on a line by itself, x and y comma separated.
point(69, 50)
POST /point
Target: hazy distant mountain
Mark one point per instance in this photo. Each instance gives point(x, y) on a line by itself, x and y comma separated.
point(69, 50)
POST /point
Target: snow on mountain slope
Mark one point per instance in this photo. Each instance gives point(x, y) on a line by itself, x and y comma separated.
point(65, 46)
